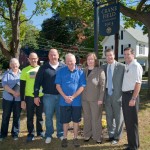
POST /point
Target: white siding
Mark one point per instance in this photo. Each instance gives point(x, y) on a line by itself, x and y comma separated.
point(127, 40)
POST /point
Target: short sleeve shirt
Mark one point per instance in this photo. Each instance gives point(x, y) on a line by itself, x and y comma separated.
point(133, 74)
point(11, 80)
point(28, 75)
point(70, 82)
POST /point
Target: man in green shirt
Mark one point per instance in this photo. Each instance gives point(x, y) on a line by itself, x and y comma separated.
point(27, 80)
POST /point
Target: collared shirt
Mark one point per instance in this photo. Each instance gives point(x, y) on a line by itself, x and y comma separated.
point(70, 82)
point(112, 71)
point(132, 75)
point(11, 80)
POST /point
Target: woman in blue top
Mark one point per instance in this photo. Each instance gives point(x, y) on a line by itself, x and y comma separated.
point(11, 100)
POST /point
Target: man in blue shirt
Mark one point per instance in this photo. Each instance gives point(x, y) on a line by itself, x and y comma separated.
point(70, 82)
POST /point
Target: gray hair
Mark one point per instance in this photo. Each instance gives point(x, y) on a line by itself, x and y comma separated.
point(70, 55)
point(14, 60)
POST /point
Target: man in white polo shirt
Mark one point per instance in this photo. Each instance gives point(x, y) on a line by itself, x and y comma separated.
point(130, 100)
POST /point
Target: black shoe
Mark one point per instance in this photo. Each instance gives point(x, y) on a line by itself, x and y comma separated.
point(2, 138)
point(30, 138)
point(76, 142)
point(15, 137)
point(64, 143)
point(110, 139)
point(127, 148)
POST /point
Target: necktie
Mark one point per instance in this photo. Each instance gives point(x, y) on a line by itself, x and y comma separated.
point(109, 81)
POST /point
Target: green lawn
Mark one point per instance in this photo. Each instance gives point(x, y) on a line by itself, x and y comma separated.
point(144, 128)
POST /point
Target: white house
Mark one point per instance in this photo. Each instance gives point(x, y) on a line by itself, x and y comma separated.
point(129, 38)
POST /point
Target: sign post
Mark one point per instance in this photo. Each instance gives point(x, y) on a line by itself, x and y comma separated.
point(96, 28)
point(109, 22)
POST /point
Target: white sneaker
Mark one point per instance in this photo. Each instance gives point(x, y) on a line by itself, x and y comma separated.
point(48, 140)
point(61, 138)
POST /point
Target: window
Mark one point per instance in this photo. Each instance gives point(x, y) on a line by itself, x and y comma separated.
point(121, 49)
point(105, 47)
point(141, 49)
point(121, 34)
point(112, 47)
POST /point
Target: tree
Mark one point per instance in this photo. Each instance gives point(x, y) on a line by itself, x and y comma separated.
point(66, 31)
point(83, 11)
point(10, 12)
point(57, 29)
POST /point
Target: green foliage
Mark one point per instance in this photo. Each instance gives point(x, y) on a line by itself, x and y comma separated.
point(84, 11)
point(57, 29)
point(80, 9)
point(140, 7)
point(4, 62)
point(30, 37)
point(41, 6)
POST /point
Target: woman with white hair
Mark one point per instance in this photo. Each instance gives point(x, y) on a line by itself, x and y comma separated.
point(11, 100)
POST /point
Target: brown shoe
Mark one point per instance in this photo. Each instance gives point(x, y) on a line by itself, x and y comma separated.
point(64, 143)
point(76, 142)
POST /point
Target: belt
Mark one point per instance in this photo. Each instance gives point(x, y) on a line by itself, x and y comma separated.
point(107, 89)
point(131, 91)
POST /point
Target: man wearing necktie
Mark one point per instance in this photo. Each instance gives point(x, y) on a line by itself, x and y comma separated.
point(113, 96)
point(109, 80)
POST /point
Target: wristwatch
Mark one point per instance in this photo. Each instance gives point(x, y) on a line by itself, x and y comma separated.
point(133, 98)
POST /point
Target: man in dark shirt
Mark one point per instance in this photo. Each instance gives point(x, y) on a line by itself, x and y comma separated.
point(46, 78)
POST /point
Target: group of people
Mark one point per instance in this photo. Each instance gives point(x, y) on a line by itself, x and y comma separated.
point(66, 90)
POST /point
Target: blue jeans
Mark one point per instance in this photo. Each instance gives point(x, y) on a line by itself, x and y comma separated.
point(51, 105)
point(8, 107)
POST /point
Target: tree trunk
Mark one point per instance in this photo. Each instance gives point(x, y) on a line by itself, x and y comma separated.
point(4, 48)
point(148, 93)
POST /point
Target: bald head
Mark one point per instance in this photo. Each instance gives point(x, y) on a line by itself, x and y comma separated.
point(33, 59)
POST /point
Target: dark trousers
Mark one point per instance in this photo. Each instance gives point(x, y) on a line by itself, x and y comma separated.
point(31, 108)
point(131, 120)
point(8, 107)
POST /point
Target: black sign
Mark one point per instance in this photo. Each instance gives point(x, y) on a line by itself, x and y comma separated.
point(109, 19)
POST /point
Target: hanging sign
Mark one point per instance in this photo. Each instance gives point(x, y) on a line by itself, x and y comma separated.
point(109, 19)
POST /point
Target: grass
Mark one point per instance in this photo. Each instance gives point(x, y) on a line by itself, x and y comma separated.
point(144, 131)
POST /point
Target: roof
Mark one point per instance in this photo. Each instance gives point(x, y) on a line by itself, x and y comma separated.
point(135, 33)
point(138, 34)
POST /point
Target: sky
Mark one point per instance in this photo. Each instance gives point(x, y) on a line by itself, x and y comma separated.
point(36, 20)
